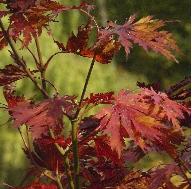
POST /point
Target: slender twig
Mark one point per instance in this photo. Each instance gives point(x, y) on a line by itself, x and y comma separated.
point(86, 84)
point(5, 184)
point(57, 92)
point(49, 176)
point(91, 17)
point(21, 61)
point(42, 68)
point(39, 51)
point(32, 54)
point(59, 182)
point(75, 154)
point(69, 175)
point(50, 58)
point(22, 138)
point(66, 161)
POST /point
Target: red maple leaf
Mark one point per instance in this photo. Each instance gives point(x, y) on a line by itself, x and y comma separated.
point(145, 118)
point(42, 116)
point(161, 176)
point(29, 17)
point(46, 154)
point(145, 32)
point(79, 45)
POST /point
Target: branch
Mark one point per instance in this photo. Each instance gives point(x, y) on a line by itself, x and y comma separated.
point(50, 58)
point(75, 155)
point(86, 84)
point(67, 167)
point(21, 61)
point(42, 68)
point(32, 54)
point(74, 123)
point(91, 17)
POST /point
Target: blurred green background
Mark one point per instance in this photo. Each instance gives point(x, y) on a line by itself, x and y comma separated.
point(68, 72)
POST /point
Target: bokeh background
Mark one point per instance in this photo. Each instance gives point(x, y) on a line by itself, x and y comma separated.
point(68, 72)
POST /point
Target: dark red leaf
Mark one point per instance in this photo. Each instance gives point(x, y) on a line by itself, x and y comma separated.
point(48, 155)
point(88, 124)
point(161, 177)
point(43, 116)
point(103, 149)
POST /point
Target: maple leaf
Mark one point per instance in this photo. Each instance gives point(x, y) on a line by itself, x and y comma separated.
point(47, 155)
point(103, 174)
point(168, 109)
point(42, 116)
point(161, 176)
point(103, 149)
point(144, 32)
point(147, 117)
point(135, 180)
point(28, 18)
point(79, 45)
point(11, 73)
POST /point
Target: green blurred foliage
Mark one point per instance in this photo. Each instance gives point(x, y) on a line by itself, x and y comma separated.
point(68, 72)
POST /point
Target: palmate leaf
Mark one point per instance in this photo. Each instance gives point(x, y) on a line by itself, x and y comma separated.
point(29, 17)
point(150, 119)
point(42, 116)
point(145, 32)
point(79, 45)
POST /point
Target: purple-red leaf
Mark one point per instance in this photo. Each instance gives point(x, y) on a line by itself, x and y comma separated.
point(42, 116)
point(79, 45)
point(145, 32)
point(150, 119)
